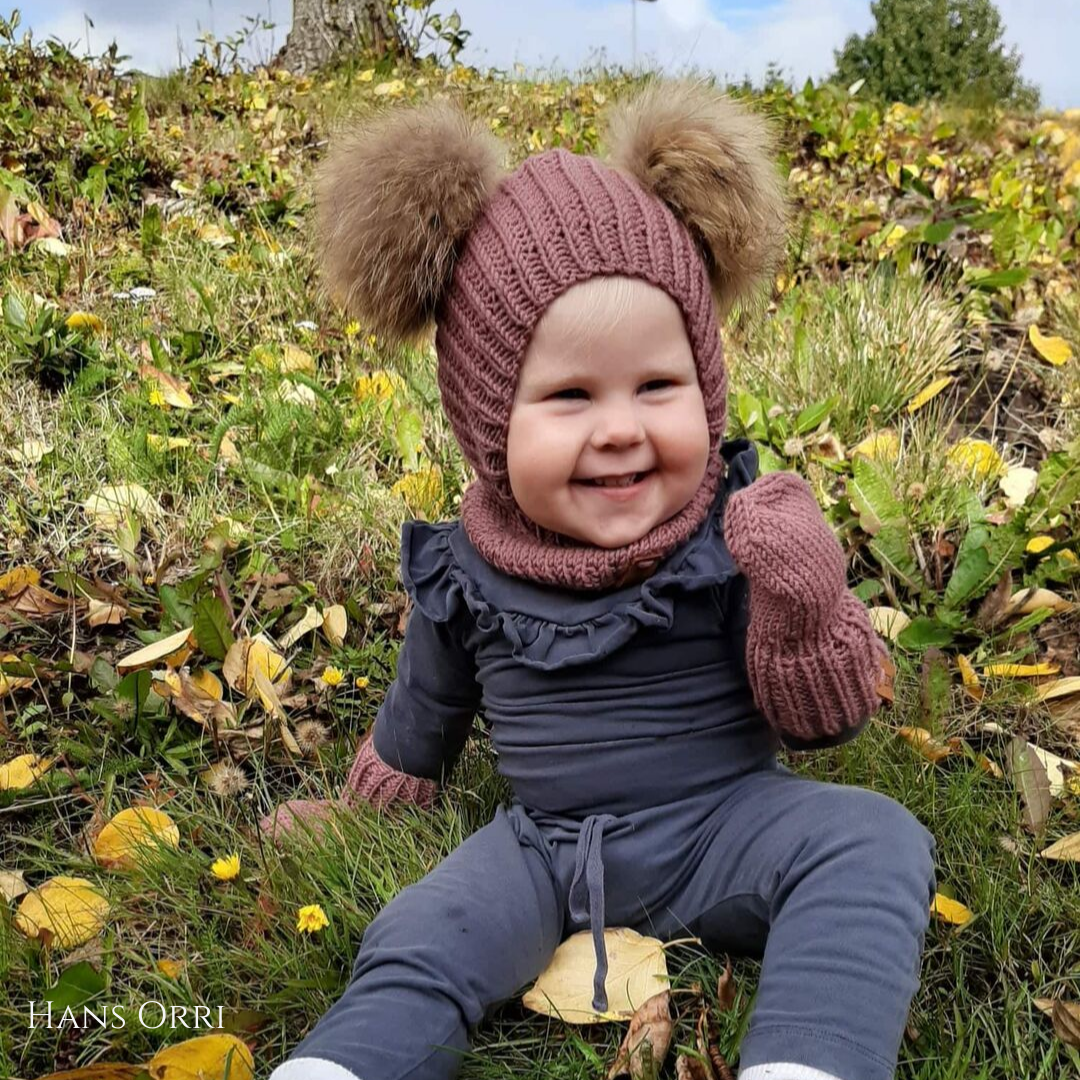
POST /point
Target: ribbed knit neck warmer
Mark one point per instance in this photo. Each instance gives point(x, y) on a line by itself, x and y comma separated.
point(560, 219)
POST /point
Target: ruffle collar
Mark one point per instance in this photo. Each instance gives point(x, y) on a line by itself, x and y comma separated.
point(550, 627)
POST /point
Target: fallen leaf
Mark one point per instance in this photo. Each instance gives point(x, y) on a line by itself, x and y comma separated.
point(293, 358)
point(335, 625)
point(1026, 601)
point(172, 651)
point(14, 581)
point(1029, 775)
point(972, 686)
point(12, 884)
point(310, 620)
point(31, 452)
point(111, 1070)
point(888, 621)
point(1018, 485)
point(173, 391)
point(924, 742)
point(1066, 1018)
point(84, 320)
point(23, 772)
point(132, 833)
point(110, 505)
point(950, 910)
point(1020, 671)
point(248, 655)
point(36, 602)
point(880, 446)
point(637, 969)
point(1055, 350)
point(1066, 849)
point(208, 1057)
point(65, 910)
point(1039, 543)
point(977, 457)
point(725, 988)
point(1058, 770)
point(10, 683)
point(103, 613)
point(646, 1043)
point(1058, 688)
point(928, 393)
point(690, 1068)
point(166, 443)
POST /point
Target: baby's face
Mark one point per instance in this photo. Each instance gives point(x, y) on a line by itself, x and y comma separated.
point(607, 391)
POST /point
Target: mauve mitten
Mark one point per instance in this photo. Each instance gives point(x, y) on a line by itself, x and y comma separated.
point(370, 780)
point(812, 658)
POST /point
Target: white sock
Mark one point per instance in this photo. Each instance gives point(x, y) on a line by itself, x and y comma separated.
point(311, 1069)
point(784, 1070)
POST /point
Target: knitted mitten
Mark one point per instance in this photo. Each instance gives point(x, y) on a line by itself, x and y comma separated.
point(370, 780)
point(812, 658)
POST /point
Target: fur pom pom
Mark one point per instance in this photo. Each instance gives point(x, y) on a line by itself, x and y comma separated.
point(396, 194)
point(712, 161)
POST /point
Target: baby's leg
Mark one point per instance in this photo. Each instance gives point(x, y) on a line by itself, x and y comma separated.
point(446, 949)
point(839, 881)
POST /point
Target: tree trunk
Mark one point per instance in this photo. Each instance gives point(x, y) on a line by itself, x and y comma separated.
point(323, 29)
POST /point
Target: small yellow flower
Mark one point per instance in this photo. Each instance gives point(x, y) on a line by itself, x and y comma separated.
point(227, 869)
point(332, 676)
point(352, 328)
point(362, 682)
point(311, 919)
point(171, 969)
point(158, 398)
point(379, 386)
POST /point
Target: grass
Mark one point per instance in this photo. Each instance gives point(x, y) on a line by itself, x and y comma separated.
point(312, 495)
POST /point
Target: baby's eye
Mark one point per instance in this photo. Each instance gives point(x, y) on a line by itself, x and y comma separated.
point(570, 393)
point(658, 384)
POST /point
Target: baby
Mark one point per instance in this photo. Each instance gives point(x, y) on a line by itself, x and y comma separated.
point(639, 620)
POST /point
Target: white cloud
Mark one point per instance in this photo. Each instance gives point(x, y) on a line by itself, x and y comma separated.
point(728, 38)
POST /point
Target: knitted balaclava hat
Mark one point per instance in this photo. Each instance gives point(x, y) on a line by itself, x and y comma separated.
point(418, 222)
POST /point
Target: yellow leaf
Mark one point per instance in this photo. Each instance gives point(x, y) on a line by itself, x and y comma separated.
point(32, 451)
point(171, 651)
point(924, 742)
point(83, 320)
point(888, 621)
point(1055, 350)
point(208, 1057)
point(976, 456)
point(1020, 671)
point(881, 446)
point(952, 911)
point(970, 680)
point(170, 389)
point(310, 620)
point(637, 969)
point(132, 832)
point(206, 681)
point(1039, 543)
point(249, 657)
point(1058, 688)
point(1067, 849)
point(392, 88)
point(1025, 601)
point(12, 885)
point(66, 911)
point(366, 76)
point(23, 772)
point(215, 236)
point(335, 625)
point(163, 443)
point(14, 581)
point(171, 969)
point(928, 393)
point(293, 358)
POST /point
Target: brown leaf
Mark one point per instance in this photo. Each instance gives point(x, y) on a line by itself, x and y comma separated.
point(995, 605)
point(107, 1071)
point(646, 1043)
point(725, 989)
point(1066, 1017)
point(1029, 775)
point(37, 603)
point(691, 1068)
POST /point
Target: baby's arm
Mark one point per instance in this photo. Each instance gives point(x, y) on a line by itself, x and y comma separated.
point(419, 732)
point(813, 661)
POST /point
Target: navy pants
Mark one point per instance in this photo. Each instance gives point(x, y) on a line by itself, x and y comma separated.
point(829, 884)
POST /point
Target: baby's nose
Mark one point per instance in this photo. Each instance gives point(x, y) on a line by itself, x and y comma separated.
point(618, 424)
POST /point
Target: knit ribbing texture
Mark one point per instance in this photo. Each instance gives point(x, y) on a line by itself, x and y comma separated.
point(558, 220)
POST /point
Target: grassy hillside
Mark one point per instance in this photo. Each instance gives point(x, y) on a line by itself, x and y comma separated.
point(192, 436)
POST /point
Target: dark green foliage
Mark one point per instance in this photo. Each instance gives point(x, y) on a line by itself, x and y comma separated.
point(922, 49)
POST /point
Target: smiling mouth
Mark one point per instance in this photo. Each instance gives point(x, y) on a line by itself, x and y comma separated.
point(627, 480)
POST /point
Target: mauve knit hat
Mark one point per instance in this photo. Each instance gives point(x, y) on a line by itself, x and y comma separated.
point(418, 222)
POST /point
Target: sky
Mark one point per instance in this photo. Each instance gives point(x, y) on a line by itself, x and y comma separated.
point(731, 38)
